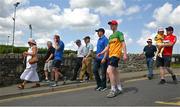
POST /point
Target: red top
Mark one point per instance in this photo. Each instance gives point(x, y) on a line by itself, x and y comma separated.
point(168, 50)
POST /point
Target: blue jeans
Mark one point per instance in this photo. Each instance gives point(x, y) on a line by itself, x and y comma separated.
point(150, 66)
point(101, 82)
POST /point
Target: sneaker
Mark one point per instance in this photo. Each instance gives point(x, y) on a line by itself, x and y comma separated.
point(47, 81)
point(103, 89)
point(98, 89)
point(112, 94)
point(163, 81)
point(119, 92)
point(54, 85)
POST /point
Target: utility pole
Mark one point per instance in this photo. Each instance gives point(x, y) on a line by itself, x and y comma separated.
point(14, 25)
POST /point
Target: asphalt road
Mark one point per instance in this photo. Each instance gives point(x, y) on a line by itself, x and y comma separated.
point(139, 92)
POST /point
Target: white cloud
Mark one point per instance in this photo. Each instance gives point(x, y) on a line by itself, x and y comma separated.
point(47, 21)
point(106, 7)
point(132, 10)
point(165, 15)
point(146, 34)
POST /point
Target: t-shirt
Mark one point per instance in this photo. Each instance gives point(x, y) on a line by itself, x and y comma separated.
point(101, 45)
point(149, 51)
point(50, 51)
point(59, 52)
point(87, 49)
point(159, 38)
point(80, 51)
point(168, 50)
point(115, 44)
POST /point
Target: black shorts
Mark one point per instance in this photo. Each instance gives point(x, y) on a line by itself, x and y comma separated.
point(56, 64)
point(113, 61)
point(165, 61)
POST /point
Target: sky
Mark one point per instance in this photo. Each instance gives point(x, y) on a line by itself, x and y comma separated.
point(75, 19)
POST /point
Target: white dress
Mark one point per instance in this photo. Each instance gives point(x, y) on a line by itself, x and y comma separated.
point(30, 73)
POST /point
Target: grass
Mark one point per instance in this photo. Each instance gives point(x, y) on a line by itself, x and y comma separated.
point(175, 65)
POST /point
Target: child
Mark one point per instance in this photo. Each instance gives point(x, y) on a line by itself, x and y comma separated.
point(159, 40)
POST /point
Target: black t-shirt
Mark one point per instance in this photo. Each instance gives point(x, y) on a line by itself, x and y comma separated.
point(49, 52)
point(149, 51)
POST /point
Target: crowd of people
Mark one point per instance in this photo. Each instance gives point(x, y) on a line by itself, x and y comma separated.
point(108, 53)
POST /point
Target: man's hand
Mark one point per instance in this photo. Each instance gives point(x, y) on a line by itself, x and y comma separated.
point(47, 61)
point(103, 60)
point(99, 54)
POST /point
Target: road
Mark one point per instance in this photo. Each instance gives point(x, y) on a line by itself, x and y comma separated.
point(137, 92)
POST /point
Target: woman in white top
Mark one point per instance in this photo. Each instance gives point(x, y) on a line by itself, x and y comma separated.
point(30, 73)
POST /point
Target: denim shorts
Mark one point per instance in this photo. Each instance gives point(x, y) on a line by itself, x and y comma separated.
point(165, 61)
point(56, 64)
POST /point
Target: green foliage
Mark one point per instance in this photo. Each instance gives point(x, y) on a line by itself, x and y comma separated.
point(4, 49)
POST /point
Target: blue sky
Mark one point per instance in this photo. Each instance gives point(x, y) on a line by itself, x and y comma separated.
point(74, 19)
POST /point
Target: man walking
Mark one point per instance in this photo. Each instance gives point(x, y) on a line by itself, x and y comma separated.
point(149, 51)
point(58, 55)
point(87, 60)
point(101, 61)
point(79, 59)
point(48, 60)
point(115, 47)
point(164, 62)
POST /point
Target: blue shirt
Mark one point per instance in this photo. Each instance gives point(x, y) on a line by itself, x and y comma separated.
point(101, 45)
point(59, 52)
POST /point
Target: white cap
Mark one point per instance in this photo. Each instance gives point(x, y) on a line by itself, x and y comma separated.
point(160, 29)
point(32, 41)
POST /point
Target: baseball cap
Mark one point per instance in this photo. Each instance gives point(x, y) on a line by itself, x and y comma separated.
point(113, 22)
point(78, 41)
point(87, 37)
point(170, 28)
point(100, 30)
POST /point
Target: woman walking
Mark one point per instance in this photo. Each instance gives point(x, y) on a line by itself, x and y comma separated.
point(30, 73)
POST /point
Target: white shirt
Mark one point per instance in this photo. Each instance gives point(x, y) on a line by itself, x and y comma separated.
point(28, 65)
point(80, 52)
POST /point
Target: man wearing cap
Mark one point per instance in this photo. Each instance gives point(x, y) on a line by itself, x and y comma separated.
point(165, 61)
point(79, 59)
point(101, 61)
point(149, 51)
point(115, 47)
point(58, 55)
point(87, 60)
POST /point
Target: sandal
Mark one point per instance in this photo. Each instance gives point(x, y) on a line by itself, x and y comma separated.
point(21, 86)
point(35, 86)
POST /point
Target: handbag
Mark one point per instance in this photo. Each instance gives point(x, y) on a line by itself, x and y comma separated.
point(33, 60)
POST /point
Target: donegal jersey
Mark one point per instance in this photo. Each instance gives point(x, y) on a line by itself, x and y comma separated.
point(115, 44)
point(159, 39)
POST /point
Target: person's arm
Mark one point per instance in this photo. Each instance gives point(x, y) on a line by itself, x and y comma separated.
point(125, 51)
point(90, 51)
point(169, 44)
point(104, 51)
point(34, 51)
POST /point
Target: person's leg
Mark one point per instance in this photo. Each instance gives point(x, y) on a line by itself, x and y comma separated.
point(89, 68)
point(96, 73)
point(76, 69)
point(56, 75)
point(151, 68)
point(112, 77)
point(148, 66)
point(118, 82)
point(82, 72)
point(46, 71)
point(167, 63)
point(104, 72)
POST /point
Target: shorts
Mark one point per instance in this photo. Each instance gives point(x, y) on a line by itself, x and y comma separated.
point(56, 64)
point(48, 66)
point(165, 61)
point(113, 61)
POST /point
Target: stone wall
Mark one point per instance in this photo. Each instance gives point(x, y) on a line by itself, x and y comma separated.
point(11, 67)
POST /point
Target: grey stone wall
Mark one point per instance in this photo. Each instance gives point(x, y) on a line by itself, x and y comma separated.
point(11, 67)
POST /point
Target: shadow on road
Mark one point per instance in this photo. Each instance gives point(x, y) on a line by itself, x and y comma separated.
point(130, 89)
